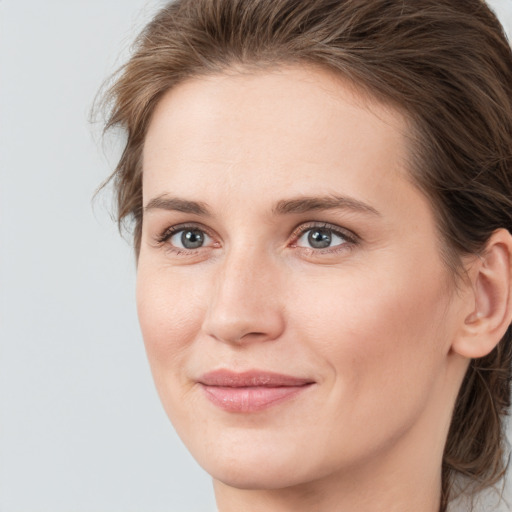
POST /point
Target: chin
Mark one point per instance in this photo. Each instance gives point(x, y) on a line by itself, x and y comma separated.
point(262, 466)
point(266, 476)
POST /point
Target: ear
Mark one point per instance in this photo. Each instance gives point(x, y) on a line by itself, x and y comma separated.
point(489, 311)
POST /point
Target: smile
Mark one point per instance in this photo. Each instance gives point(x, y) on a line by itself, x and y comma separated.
point(250, 391)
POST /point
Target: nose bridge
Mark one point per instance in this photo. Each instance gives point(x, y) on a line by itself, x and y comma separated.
point(245, 302)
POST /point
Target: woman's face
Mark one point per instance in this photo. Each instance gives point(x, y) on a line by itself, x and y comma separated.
point(293, 302)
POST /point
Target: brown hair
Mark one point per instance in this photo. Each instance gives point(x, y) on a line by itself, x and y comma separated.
point(445, 63)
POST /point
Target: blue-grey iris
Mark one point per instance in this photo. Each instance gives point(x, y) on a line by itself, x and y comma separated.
point(319, 238)
point(192, 239)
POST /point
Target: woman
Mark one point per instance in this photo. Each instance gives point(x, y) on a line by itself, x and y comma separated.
point(321, 194)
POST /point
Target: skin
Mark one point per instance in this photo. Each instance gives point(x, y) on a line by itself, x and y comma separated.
point(372, 320)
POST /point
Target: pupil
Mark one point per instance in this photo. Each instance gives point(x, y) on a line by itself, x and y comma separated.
point(192, 239)
point(319, 239)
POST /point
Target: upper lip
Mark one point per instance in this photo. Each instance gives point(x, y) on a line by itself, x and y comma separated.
point(251, 378)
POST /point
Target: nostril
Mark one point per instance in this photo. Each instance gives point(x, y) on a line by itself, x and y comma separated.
point(249, 328)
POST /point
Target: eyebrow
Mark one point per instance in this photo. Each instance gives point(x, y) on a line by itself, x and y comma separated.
point(283, 207)
point(176, 204)
point(308, 204)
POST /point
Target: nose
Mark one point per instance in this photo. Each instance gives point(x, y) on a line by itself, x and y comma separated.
point(245, 305)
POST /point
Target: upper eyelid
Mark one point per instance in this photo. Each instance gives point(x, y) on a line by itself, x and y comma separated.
point(296, 233)
point(304, 227)
point(176, 228)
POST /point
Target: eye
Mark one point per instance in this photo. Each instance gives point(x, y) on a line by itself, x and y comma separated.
point(321, 238)
point(189, 239)
point(185, 238)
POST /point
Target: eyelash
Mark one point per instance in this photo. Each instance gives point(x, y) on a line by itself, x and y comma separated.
point(165, 236)
point(349, 237)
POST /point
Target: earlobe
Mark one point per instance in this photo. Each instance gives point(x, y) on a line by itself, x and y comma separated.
point(491, 307)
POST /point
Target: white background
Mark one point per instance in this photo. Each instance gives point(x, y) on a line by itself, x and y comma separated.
point(81, 428)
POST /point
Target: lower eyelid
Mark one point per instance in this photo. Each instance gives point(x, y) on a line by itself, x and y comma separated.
point(318, 254)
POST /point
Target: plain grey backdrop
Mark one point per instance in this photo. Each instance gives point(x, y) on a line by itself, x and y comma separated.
point(81, 427)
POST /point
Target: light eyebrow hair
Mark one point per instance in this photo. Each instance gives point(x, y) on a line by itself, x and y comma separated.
point(164, 202)
point(307, 204)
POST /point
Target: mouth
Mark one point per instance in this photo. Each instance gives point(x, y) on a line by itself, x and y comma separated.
point(250, 391)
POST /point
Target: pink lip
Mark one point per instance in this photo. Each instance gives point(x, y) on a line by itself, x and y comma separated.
point(250, 391)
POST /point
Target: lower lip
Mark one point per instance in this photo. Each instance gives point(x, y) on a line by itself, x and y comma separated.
point(250, 399)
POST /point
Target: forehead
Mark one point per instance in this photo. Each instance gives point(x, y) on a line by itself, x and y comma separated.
point(267, 131)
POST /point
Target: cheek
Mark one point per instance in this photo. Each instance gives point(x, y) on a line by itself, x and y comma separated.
point(384, 336)
point(170, 311)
